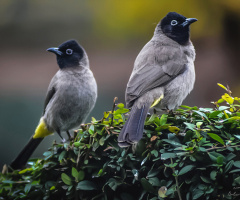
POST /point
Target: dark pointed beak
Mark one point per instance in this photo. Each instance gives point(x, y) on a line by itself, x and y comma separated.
point(55, 50)
point(189, 21)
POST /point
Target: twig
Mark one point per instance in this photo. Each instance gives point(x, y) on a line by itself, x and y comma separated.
point(114, 105)
point(176, 179)
point(213, 148)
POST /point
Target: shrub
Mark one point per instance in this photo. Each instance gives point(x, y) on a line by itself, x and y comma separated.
point(191, 153)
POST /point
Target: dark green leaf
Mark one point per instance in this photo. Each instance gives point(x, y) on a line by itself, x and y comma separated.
point(27, 188)
point(186, 169)
point(62, 155)
point(228, 166)
point(166, 156)
point(213, 175)
point(86, 185)
point(196, 194)
point(146, 185)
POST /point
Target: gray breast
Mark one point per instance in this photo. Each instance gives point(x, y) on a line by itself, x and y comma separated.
point(74, 99)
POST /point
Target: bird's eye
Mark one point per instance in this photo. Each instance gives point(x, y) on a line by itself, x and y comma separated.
point(69, 51)
point(174, 22)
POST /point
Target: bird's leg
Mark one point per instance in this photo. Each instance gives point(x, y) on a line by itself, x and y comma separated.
point(59, 133)
point(69, 136)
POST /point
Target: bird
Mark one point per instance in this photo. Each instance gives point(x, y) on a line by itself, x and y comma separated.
point(71, 96)
point(163, 75)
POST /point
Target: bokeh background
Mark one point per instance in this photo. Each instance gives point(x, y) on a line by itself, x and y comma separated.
point(112, 32)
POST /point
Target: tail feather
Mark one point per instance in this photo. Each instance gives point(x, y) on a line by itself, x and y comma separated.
point(22, 158)
point(132, 131)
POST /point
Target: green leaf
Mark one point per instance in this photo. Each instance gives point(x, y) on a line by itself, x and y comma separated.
point(220, 160)
point(91, 129)
point(146, 185)
point(66, 179)
point(74, 172)
point(166, 156)
point(228, 166)
point(155, 153)
point(120, 105)
point(81, 175)
point(86, 185)
point(213, 175)
point(62, 155)
point(235, 170)
point(196, 194)
point(190, 126)
point(201, 114)
point(216, 137)
point(221, 108)
point(237, 164)
point(163, 119)
point(102, 140)
point(27, 188)
point(186, 169)
point(237, 180)
point(237, 136)
point(199, 124)
point(173, 142)
point(205, 179)
point(214, 114)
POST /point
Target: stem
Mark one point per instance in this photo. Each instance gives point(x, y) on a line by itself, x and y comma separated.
point(177, 184)
point(213, 148)
point(114, 100)
point(210, 149)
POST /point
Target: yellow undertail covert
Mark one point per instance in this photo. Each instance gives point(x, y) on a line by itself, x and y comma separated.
point(41, 130)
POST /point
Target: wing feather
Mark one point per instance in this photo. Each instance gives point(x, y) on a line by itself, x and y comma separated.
point(154, 68)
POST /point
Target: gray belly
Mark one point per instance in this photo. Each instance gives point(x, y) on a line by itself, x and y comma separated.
point(69, 107)
point(177, 90)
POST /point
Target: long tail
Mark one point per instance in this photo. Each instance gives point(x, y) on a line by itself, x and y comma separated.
point(40, 132)
point(132, 131)
point(22, 158)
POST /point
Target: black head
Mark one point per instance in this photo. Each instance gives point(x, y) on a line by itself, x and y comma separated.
point(176, 27)
point(69, 54)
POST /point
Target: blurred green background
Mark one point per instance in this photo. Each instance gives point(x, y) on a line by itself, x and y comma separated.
point(112, 33)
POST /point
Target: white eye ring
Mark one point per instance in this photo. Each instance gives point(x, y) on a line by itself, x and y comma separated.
point(69, 51)
point(174, 22)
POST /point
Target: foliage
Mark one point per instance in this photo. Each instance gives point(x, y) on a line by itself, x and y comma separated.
point(191, 153)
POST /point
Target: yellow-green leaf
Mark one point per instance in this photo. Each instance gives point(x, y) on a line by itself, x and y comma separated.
point(173, 129)
point(216, 137)
point(53, 188)
point(106, 114)
point(228, 98)
point(25, 170)
point(222, 86)
point(220, 101)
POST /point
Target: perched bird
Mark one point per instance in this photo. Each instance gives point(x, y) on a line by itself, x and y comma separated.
point(71, 96)
point(162, 77)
